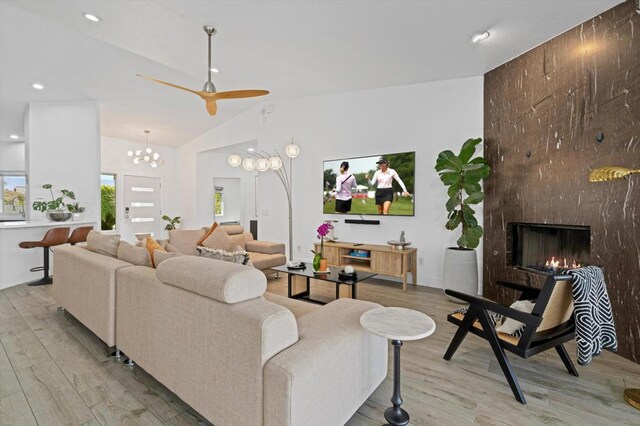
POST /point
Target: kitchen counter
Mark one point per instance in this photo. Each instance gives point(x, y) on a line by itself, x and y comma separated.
point(16, 262)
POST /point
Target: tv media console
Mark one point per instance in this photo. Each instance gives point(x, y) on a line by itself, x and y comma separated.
point(379, 259)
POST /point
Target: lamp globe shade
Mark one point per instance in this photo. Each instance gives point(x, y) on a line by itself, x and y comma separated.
point(234, 160)
point(156, 156)
point(136, 160)
point(275, 163)
point(292, 150)
point(249, 164)
point(262, 164)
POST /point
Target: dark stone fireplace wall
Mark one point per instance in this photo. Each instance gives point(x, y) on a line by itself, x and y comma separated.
point(543, 113)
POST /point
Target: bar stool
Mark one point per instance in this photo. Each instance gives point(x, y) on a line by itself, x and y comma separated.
point(53, 237)
point(79, 235)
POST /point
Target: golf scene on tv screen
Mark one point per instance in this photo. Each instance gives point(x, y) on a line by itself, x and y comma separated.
point(378, 184)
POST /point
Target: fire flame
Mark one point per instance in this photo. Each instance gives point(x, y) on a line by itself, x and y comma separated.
point(555, 264)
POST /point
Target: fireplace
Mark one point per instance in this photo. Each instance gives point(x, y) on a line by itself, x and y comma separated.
point(546, 248)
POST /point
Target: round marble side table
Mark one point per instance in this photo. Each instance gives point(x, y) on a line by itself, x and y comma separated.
point(397, 324)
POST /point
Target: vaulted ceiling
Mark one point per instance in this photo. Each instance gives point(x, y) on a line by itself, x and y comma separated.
point(292, 48)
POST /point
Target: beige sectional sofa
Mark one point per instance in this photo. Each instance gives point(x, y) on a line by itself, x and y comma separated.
point(207, 330)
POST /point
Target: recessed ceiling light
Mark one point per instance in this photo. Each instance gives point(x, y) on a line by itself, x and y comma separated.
point(251, 149)
point(14, 137)
point(480, 36)
point(37, 86)
point(216, 70)
point(91, 17)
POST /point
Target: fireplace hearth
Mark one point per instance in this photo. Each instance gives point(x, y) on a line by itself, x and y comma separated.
point(547, 248)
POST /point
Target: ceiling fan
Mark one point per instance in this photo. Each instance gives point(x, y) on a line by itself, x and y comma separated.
point(208, 92)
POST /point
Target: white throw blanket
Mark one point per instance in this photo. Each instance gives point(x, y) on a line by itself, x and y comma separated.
point(595, 329)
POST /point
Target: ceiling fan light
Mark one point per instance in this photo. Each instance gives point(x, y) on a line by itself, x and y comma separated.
point(249, 164)
point(275, 163)
point(262, 164)
point(234, 160)
point(292, 150)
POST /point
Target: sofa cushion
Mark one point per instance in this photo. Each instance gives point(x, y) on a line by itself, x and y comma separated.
point(233, 229)
point(138, 256)
point(265, 247)
point(106, 244)
point(297, 307)
point(161, 256)
point(185, 240)
point(223, 281)
point(238, 239)
point(265, 261)
point(153, 246)
point(218, 239)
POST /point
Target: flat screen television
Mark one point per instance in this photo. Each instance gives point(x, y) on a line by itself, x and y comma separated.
point(369, 186)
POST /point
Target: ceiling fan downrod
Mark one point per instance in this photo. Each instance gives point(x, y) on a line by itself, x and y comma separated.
point(208, 86)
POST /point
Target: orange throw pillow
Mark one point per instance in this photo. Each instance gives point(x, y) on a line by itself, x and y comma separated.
point(153, 245)
point(213, 228)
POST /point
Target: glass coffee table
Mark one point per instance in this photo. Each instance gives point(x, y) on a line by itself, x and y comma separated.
point(331, 276)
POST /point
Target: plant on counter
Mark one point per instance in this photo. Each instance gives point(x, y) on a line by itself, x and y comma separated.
point(172, 222)
point(76, 208)
point(55, 203)
point(318, 258)
point(462, 174)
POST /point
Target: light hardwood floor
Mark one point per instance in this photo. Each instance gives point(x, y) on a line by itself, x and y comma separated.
point(54, 371)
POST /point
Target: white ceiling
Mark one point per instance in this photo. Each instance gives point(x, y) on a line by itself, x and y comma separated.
point(292, 48)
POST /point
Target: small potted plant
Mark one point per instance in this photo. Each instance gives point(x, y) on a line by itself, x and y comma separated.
point(462, 175)
point(319, 261)
point(76, 210)
point(54, 208)
point(172, 222)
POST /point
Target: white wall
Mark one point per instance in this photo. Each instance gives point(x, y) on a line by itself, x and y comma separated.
point(63, 149)
point(426, 118)
point(115, 161)
point(12, 156)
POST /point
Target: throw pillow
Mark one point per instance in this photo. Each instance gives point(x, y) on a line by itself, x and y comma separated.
point(152, 246)
point(135, 255)
point(207, 233)
point(237, 256)
point(218, 239)
point(511, 326)
point(161, 256)
point(106, 244)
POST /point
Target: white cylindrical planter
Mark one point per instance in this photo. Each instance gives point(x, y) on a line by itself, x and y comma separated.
point(460, 272)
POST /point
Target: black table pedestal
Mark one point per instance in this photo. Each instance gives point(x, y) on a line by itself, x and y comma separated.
point(395, 415)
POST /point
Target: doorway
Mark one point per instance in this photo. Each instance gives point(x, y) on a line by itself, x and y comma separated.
point(142, 207)
point(227, 200)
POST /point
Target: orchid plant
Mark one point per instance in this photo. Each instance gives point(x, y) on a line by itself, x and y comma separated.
point(323, 230)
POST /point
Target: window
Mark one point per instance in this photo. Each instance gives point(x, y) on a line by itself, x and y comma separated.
point(13, 187)
point(218, 202)
point(108, 202)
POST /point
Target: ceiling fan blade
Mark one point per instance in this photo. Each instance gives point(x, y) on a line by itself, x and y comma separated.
point(212, 107)
point(195, 92)
point(236, 94)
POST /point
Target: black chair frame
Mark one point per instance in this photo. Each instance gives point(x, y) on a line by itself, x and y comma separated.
point(530, 343)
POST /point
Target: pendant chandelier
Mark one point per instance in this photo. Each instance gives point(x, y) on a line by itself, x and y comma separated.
point(146, 156)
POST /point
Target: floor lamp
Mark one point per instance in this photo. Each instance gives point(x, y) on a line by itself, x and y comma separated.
point(603, 174)
point(263, 162)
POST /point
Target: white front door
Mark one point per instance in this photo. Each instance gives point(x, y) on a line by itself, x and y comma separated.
point(142, 207)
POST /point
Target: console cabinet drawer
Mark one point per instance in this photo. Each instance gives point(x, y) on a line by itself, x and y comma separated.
point(386, 262)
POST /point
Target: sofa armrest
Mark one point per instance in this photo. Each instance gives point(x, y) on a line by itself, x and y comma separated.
point(264, 247)
point(335, 363)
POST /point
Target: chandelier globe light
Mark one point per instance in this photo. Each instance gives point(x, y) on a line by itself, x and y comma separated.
point(146, 156)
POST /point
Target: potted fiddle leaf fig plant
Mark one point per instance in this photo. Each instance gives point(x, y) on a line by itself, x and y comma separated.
point(462, 175)
point(54, 209)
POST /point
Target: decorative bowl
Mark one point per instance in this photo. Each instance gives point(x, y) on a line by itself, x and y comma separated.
point(398, 245)
point(58, 215)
